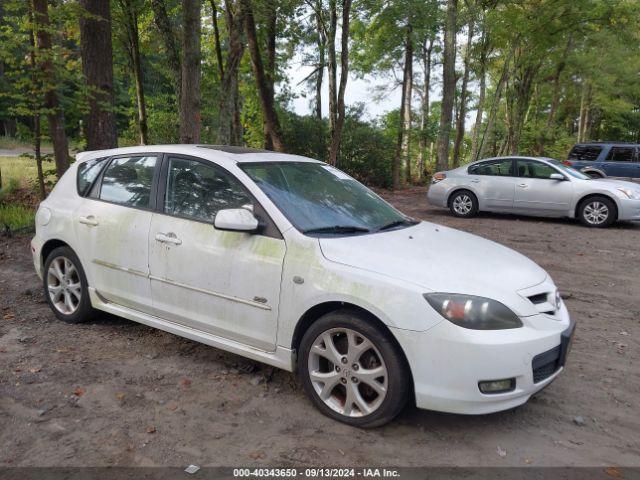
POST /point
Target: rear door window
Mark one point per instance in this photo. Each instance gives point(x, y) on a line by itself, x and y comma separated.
point(87, 173)
point(128, 181)
point(502, 167)
point(585, 152)
point(621, 154)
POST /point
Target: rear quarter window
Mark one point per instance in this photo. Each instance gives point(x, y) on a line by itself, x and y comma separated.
point(585, 152)
point(87, 173)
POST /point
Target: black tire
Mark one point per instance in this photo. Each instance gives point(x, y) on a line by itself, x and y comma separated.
point(596, 203)
point(84, 311)
point(397, 381)
point(463, 204)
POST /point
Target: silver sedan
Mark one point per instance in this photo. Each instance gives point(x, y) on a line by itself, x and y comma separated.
point(534, 186)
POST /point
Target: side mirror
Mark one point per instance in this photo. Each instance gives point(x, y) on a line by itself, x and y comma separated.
point(557, 176)
point(236, 220)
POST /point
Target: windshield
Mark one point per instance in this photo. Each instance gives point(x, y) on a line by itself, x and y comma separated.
point(569, 170)
point(320, 199)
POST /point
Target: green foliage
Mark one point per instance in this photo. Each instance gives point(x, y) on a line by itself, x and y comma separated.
point(14, 216)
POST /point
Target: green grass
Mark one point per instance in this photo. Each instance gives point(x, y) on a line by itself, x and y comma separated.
point(19, 169)
point(16, 216)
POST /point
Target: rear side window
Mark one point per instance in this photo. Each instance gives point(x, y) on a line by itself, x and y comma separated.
point(621, 154)
point(585, 152)
point(87, 174)
point(128, 180)
point(499, 168)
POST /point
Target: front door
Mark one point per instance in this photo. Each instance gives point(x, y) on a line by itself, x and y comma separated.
point(112, 227)
point(221, 282)
point(537, 193)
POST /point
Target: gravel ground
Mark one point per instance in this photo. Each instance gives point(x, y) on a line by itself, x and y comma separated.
point(112, 392)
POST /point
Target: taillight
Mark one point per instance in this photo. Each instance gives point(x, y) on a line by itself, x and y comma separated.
point(438, 176)
point(567, 163)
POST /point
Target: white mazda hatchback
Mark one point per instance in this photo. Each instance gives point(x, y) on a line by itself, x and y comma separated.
point(291, 262)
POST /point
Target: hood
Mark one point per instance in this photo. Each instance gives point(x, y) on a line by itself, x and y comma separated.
point(439, 259)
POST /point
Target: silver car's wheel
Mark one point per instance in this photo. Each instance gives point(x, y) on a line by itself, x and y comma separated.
point(63, 285)
point(596, 212)
point(462, 204)
point(348, 372)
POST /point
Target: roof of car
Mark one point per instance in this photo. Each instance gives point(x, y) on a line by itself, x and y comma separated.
point(218, 153)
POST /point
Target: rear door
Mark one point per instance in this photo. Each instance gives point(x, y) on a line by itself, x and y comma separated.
point(494, 182)
point(621, 161)
point(221, 282)
point(536, 193)
point(112, 226)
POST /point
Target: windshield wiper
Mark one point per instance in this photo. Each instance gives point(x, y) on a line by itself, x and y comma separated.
point(337, 229)
point(396, 223)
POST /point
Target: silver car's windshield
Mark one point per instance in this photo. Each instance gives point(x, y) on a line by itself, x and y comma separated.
point(319, 199)
point(569, 170)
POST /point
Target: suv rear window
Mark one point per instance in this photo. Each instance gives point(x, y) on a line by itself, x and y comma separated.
point(621, 154)
point(87, 173)
point(585, 152)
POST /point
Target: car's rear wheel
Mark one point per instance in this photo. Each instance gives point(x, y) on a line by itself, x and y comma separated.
point(65, 286)
point(463, 203)
point(352, 371)
point(597, 212)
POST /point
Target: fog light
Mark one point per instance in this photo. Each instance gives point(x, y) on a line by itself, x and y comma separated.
point(497, 386)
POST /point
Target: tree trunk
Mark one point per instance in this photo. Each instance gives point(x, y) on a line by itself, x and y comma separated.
point(332, 66)
point(55, 114)
point(37, 132)
point(448, 85)
point(321, 43)
point(272, 126)
point(270, 70)
point(404, 130)
point(190, 98)
point(229, 126)
point(427, 48)
point(97, 65)
point(462, 111)
point(336, 137)
point(481, 97)
point(172, 51)
point(216, 38)
point(133, 49)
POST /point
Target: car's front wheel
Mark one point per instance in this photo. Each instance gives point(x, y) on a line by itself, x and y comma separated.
point(597, 212)
point(65, 286)
point(463, 203)
point(352, 371)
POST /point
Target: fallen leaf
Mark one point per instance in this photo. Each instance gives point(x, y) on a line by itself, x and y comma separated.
point(613, 472)
point(151, 429)
point(185, 383)
point(173, 406)
point(257, 455)
point(120, 395)
point(8, 316)
point(35, 369)
point(78, 392)
point(528, 460)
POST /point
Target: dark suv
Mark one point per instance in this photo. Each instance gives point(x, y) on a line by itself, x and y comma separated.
point(606, 159)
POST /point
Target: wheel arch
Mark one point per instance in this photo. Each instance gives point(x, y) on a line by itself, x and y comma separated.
point(461, 188)
point(49, 246)
point(582, 199)
point(317, 311)
point(597, 171)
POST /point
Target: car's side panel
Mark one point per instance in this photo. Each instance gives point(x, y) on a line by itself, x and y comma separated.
point(543, 196)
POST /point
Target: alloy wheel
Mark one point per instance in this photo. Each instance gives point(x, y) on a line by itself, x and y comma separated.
point(63, 285)
point(462, 204)
point(348, 372)
point(596, 213)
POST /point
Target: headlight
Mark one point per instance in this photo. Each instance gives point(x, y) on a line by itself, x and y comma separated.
point(469, 311)
point(629, 193)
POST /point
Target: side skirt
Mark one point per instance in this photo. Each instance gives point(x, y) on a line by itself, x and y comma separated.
point(281, 358)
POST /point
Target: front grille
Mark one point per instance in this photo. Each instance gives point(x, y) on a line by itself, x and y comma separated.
point(544, 302)
point(545, 364)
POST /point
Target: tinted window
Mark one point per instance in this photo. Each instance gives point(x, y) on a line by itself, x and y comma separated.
point(87, 172)
point(128, 181)
point(621, 154)
point(533, 169)
point(197, 190)
point(500, 168)
point(585, 152)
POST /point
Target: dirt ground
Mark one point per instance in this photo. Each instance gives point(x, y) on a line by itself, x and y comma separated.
point(112, 392)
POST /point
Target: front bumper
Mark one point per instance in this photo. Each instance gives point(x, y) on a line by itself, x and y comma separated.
point(628, 209)
point(447, 362)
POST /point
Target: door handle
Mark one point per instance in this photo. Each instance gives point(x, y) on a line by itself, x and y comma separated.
point(168, 238)
point(475, 181)
point(522, 185)
point(89, 220)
